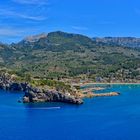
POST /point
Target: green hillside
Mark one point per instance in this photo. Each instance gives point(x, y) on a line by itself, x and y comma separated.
point(63, 55)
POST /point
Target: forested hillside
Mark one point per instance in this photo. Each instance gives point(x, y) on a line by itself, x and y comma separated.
point(62, 55)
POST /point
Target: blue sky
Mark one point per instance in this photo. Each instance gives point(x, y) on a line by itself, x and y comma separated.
point(20, 18)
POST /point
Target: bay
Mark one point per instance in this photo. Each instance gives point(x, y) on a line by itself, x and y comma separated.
point(103, 118)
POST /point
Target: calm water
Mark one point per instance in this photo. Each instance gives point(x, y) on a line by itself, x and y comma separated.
point(105, 118)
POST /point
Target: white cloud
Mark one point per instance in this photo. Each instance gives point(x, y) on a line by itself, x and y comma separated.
point(13, 34)
point(31, 2)
point(10, 13)
point(11, 31)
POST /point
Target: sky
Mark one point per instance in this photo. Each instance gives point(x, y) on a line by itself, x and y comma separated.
point(94, 18)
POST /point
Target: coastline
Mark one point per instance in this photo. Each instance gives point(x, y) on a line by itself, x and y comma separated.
point(35, 94)
point(86, 84)
point(90, 91)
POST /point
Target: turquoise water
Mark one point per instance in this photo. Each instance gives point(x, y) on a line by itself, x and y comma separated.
point(103, 118)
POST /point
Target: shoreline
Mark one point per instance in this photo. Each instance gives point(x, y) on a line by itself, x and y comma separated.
point(86, 84)
point(89, 91)
point(34, 94)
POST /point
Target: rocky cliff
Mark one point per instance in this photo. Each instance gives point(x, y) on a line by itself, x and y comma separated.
point(38, 95)
point(35, 94)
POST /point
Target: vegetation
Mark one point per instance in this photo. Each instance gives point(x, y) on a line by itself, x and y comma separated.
point(61, 55)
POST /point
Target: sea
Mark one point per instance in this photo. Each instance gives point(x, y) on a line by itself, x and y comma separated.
point(101, 118)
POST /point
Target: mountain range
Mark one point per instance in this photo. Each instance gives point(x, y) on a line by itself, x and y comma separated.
point(64, 55)
point(122, 41)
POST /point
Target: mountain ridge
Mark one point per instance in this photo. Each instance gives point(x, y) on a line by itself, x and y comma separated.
point(133, 42)
point(122, 41)
point(65, 55)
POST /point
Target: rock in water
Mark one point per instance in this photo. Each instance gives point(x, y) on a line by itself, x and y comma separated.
point(50, 96)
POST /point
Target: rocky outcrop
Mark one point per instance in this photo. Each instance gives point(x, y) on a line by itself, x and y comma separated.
point(7, 83)
point(107, 94)
point(49, 96)
point(35, 94)
point(91, 94)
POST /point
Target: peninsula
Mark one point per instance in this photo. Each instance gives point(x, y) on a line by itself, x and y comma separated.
point(49, 67)
point(32, 94)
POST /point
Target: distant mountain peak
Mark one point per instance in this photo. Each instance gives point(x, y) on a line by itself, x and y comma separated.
point(35, 38)
point(132, 42)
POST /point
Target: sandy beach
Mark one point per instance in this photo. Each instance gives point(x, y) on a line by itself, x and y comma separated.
point(86, 84)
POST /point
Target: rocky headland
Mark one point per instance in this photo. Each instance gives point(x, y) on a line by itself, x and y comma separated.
point(34, 94)
point(41, 95)
point(37, 94)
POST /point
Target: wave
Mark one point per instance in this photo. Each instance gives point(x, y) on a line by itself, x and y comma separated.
point(31, 108)
point(44, 108)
